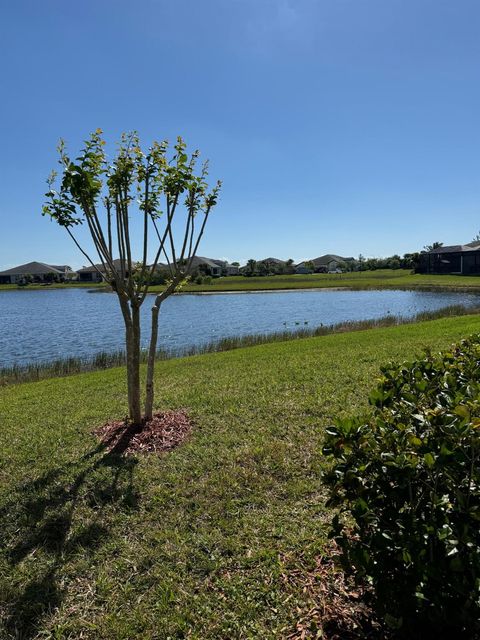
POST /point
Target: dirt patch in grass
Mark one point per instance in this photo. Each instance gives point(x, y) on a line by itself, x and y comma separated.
point(339, 608)
point(163, 432)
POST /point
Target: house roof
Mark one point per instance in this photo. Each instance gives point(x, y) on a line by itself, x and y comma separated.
point(225, 265)
point(32, 268)
point(331, 257)
point(62, 267)
point(274, 260)
point(456, 248)
point(99, 267)
point(198, 260)
point(326, 259)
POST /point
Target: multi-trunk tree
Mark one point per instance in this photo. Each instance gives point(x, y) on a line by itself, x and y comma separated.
point(165, 200)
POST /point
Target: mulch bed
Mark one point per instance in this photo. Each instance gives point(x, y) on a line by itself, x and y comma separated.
point(163, 432)
point(339, 610)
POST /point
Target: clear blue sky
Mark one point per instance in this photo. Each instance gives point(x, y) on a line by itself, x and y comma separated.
point(340, 126)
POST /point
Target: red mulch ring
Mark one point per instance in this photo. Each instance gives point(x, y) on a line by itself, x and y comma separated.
point(339, 608)
point(163, 432)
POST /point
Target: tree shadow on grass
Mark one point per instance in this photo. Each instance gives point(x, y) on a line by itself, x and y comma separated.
point(40, 533)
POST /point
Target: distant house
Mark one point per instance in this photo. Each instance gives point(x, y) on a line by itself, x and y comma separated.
point(272, 262)
point(267, 266)
point(228, 269)
point(301, 269)
point(461, 259)
point(38, 272)
point(94, 274)
point(161, 266)
point(324, 264)
point(65, 270)
point(207, 266)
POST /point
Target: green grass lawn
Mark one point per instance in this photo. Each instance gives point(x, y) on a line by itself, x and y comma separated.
point(382, 278)
point(53, 285)
point(194, 543)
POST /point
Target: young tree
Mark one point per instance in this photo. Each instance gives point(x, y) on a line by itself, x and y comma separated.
point(172, 201)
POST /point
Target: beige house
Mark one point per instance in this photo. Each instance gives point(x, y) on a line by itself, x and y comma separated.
point(94, 274)
point(327, 264)
point(37, 272)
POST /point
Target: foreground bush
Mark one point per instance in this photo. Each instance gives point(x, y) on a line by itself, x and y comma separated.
point(406, 480)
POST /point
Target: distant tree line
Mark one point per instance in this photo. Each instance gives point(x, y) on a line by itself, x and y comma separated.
point(268, 268)
point(407, 261)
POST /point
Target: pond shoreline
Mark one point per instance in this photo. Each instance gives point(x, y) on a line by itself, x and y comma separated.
point(421, 288)
point(57, 368)
point(440, 288)
point(41, 328)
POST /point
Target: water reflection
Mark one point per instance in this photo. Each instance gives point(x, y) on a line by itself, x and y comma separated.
point(42, 325)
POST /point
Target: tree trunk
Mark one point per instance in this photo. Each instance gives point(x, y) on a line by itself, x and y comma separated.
point(133, 368)
point(152, 350)
point(131, 317)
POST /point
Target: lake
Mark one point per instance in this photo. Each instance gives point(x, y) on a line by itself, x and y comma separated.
point(41, 325)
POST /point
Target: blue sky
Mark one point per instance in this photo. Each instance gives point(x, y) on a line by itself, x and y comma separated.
point(342, 126)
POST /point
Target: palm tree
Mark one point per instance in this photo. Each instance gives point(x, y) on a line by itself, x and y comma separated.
point(432, 247)
point(251, 266)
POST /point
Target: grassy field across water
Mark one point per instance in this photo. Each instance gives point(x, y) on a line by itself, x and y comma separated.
point(53, 285)
point(380, 279)
point(196, 543)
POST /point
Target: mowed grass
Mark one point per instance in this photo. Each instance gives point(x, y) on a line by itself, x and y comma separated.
point(53, 285)
point(382, 278)
point(194, 543)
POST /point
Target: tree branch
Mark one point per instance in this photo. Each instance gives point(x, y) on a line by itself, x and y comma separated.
point(103, 276)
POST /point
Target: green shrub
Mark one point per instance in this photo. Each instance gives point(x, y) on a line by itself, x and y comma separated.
point(406, 480)
point(160, 277)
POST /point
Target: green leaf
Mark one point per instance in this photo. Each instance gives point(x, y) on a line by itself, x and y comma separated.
point(429, 460)
point(462, 411)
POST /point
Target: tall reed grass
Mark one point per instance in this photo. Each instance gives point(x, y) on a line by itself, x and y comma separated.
point(104, 360)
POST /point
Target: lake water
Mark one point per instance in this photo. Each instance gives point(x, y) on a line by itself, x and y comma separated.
point(38, 326)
